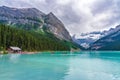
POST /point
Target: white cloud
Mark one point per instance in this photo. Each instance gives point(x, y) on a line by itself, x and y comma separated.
point(63, 2)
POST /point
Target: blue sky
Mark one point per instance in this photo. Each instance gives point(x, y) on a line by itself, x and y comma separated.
point(78, 15)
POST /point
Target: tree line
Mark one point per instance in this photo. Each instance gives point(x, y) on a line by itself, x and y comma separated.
point(29, 40)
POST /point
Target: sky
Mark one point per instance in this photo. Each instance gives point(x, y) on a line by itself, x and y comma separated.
point(78, 16)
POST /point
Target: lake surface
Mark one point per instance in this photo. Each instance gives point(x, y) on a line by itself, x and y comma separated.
point(61, 66)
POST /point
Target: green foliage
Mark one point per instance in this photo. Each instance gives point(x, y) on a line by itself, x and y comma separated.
point(30, 41)
point(3, 50)
point(27, 26)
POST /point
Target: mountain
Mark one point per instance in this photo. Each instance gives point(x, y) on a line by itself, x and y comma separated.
point(54, 25)
point(86, 39)
point(111, 41)
point(33, 20)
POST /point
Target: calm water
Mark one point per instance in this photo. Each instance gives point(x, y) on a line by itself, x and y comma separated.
point(77, 66)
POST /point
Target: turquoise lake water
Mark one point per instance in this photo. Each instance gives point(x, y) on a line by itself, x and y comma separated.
point(61, 66)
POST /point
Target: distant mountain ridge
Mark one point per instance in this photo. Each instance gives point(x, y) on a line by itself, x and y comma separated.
point(94, 40)
point(35, 20)
point(111, 41)
point(86, 39)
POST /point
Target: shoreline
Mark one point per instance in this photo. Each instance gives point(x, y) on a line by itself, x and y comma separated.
point(35, 52)
point(52, 52)
point(26, 52)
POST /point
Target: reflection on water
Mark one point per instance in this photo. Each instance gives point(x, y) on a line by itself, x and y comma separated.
point(57, 66)
point(1, 56)
point(14, 57)
point(92, 66)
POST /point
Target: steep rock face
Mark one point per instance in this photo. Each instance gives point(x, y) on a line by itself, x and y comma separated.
point(56, 26)
point(33, 19)
point(109, 42)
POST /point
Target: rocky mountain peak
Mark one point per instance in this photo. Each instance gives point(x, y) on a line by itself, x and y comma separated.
point(51, 14)
point(21, 12)
point(57, 27)
point(33, 19)
point(52, 18)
